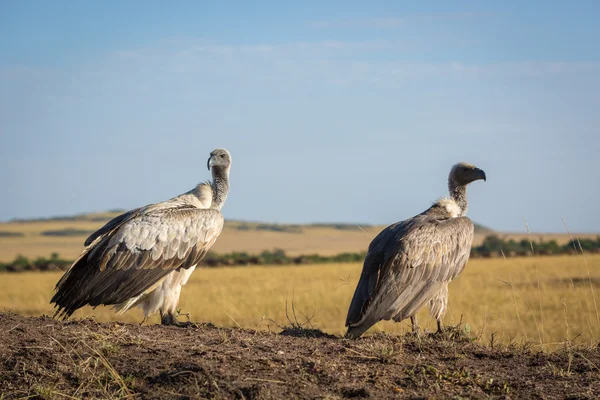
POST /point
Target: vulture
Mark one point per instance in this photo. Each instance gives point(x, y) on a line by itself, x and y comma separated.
point(144, 256)
point(410, 263)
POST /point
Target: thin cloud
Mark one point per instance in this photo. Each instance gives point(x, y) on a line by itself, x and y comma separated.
point(395, 22)
point(327, 61)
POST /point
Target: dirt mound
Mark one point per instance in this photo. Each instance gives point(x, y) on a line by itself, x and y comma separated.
point(44, 358)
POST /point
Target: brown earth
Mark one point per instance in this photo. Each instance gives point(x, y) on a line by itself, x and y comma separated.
point(46, 359)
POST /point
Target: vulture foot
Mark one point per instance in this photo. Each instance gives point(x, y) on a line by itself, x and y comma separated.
point(171, 319)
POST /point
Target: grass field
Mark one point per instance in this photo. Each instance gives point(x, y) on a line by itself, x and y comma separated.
point(546, 300)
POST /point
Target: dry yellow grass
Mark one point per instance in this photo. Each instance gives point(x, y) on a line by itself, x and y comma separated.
point(492, 295)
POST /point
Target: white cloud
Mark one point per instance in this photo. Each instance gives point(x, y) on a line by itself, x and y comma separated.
point(333, 61)
point(200, 65)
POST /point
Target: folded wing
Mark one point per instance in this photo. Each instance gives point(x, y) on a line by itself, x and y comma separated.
point(406, 265)
point(134, 252)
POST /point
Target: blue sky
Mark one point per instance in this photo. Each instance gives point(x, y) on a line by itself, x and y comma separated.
point(333, 112)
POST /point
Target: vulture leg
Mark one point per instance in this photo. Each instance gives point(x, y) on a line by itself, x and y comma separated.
point(439, 324)
point(438, 306)
point(166, 297)
point(415, 325)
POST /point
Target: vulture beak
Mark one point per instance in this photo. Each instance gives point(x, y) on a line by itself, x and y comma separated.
point(479, 174)
point(210, 162)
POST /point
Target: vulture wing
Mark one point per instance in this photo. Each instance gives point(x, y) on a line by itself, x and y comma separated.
point(406, 264)
point(134, 252)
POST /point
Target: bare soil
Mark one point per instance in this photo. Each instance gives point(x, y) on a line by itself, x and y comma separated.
point(47, 359)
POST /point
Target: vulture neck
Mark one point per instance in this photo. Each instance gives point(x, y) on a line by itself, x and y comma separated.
point(458, 193)
point(220, 187)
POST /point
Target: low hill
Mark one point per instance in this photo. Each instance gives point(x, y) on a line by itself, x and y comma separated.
point(45, 359)
point(65, 235)
point(103, 217)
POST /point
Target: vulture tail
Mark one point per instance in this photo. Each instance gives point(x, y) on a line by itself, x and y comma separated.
point(68, 297)
point(354, 332)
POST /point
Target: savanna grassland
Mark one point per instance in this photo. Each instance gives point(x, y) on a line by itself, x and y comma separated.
point(544, 300)
point(274, 331)
point(505, 316)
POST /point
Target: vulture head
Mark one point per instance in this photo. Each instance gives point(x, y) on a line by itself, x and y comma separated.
point(219, 158)
point(463, 173)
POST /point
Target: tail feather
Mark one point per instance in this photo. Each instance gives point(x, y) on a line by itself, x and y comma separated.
point(356, 331)
point(68, 296)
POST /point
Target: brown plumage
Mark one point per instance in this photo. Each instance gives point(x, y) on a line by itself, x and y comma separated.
point(410, 263)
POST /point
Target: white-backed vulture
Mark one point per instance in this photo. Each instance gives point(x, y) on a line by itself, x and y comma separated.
point(410, 263)
point(143, 257)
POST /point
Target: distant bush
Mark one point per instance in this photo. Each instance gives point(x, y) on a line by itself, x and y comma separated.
point(493, 245)
point(279, 228)
point(586, 244)
point(269, 227)
point(68, 232)
point(21, 263)
point(276, 257)
point(10, 234)
point(293, 228)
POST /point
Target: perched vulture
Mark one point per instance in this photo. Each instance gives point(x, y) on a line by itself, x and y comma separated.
point(410, 263)
point(143, 257)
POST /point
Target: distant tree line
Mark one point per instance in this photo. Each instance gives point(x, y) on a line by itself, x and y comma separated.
point(495, 246)
point(267, 257)
point(10, 234)
point(492, 246)
point(67, 232)
point(21, 263)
